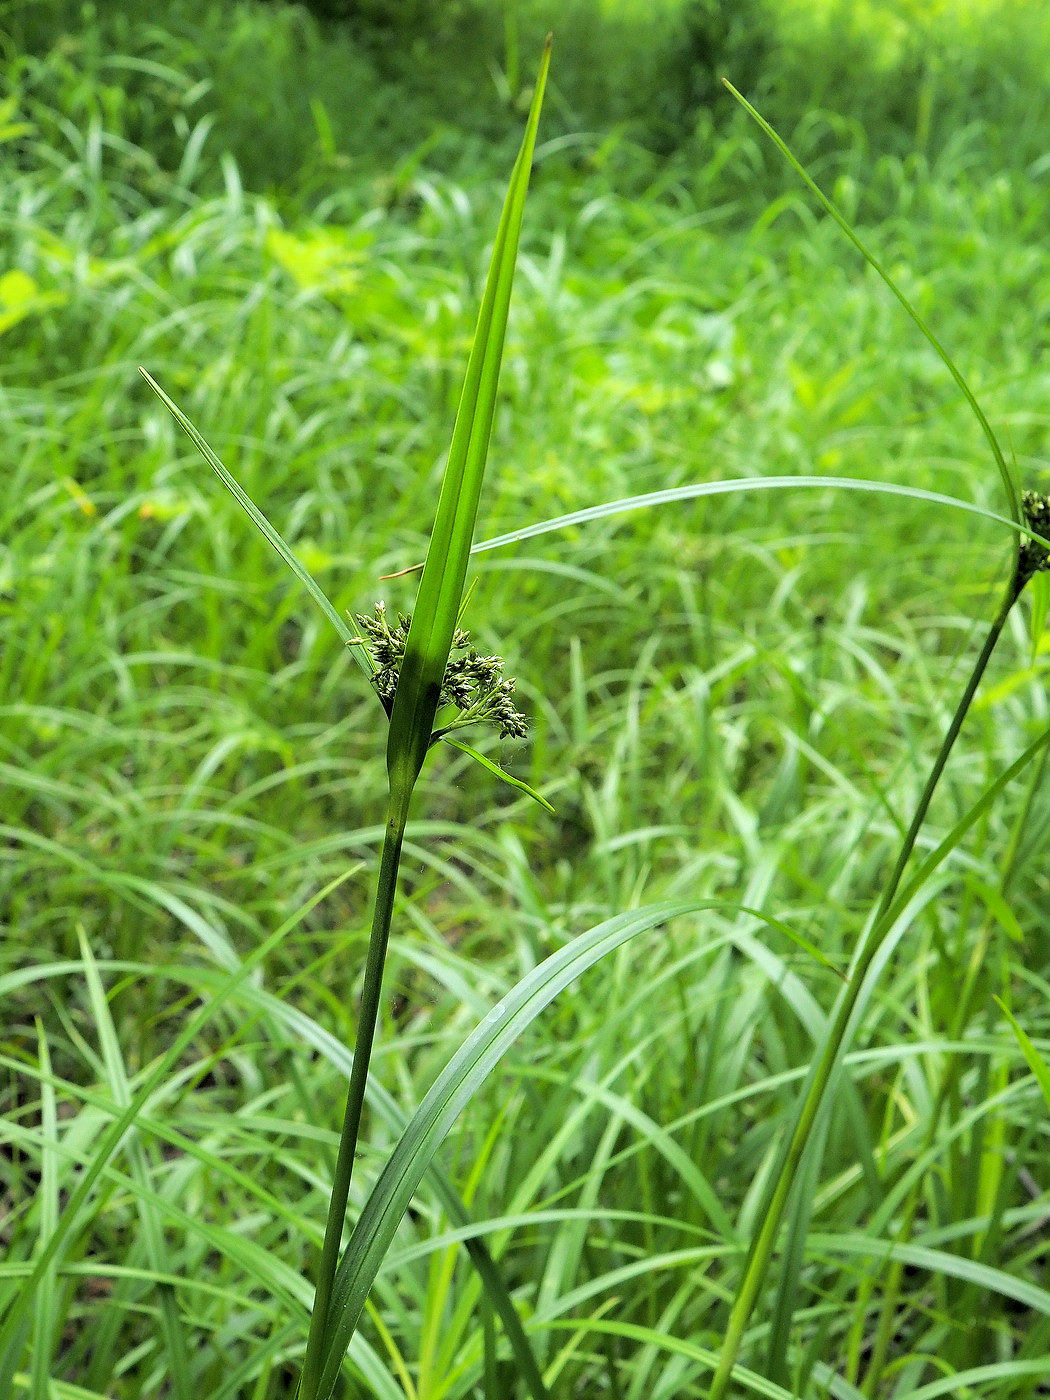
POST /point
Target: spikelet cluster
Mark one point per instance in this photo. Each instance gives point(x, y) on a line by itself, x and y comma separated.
point(475, 684)
point(1033, 556)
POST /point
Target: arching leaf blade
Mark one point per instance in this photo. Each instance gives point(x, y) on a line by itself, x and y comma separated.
point(452, 1090)
point(1010, 485)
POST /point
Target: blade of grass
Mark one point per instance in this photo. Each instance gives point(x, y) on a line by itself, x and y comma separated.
point(1010, 486)
point(436, 610)
point(257, 518)
point(44, 1328)
point(453, 1088)
point(1036, 1063)
point(1040, 597)
point(746, 483)
point(498, 772)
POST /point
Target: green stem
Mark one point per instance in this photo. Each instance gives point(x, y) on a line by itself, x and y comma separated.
point(948, 1085)
point(371, 991)
point(822, 1072)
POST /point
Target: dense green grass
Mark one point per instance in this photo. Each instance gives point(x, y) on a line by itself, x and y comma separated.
point(734, 699)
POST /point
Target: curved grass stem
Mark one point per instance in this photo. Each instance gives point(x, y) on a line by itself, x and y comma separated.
point(822, 1072)
point(880, 1347)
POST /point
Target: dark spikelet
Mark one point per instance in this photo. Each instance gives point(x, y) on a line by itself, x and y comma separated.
point(475, 684)
point(1033, 556)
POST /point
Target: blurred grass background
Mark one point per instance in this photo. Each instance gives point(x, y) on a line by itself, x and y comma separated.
point(283, 212)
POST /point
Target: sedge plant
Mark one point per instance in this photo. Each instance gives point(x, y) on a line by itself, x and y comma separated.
point(410, 669)
point(421, 659)
point(1031, 511)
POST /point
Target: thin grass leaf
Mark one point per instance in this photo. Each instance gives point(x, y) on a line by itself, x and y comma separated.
point(451, 1091)
point(498, 772)
point(1010, 485)
point(963, 825)
point(937, 1262)
point(796, 938)
point(257, 518)
point(959, 1382)
point(744, 483)
point(1036, 1063)
point(489, 1370)
point(665, 1342)
point(1039, 594)
point(995, 902)
point(792, 1262)
point(437, 605)
point(44, 1321)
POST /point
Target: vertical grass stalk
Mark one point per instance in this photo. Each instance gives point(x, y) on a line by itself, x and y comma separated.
point(1031, 557)
point(880, 1346)
point(423, 663)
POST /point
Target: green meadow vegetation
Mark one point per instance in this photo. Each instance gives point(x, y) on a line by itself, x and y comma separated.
point(724, 1068)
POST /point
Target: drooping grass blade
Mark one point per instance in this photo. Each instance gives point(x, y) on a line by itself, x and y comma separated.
point(256, 516)
point(1010, 486)
point(698, 489)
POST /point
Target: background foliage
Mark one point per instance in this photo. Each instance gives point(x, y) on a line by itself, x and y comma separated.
point(285, 215)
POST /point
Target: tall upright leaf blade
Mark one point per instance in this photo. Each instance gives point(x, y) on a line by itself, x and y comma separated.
point(441, 587)
point(46, 1322)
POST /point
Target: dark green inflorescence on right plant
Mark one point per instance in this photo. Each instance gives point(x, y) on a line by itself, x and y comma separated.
point(1033, 556)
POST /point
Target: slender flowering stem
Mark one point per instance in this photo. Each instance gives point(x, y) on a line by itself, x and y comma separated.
point(476, 684)
point(1031, 558)
point(822, 1072)
point(878, 1351)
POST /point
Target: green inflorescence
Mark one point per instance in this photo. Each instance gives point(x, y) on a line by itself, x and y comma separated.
point(1033, 556)
point(475, 684)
